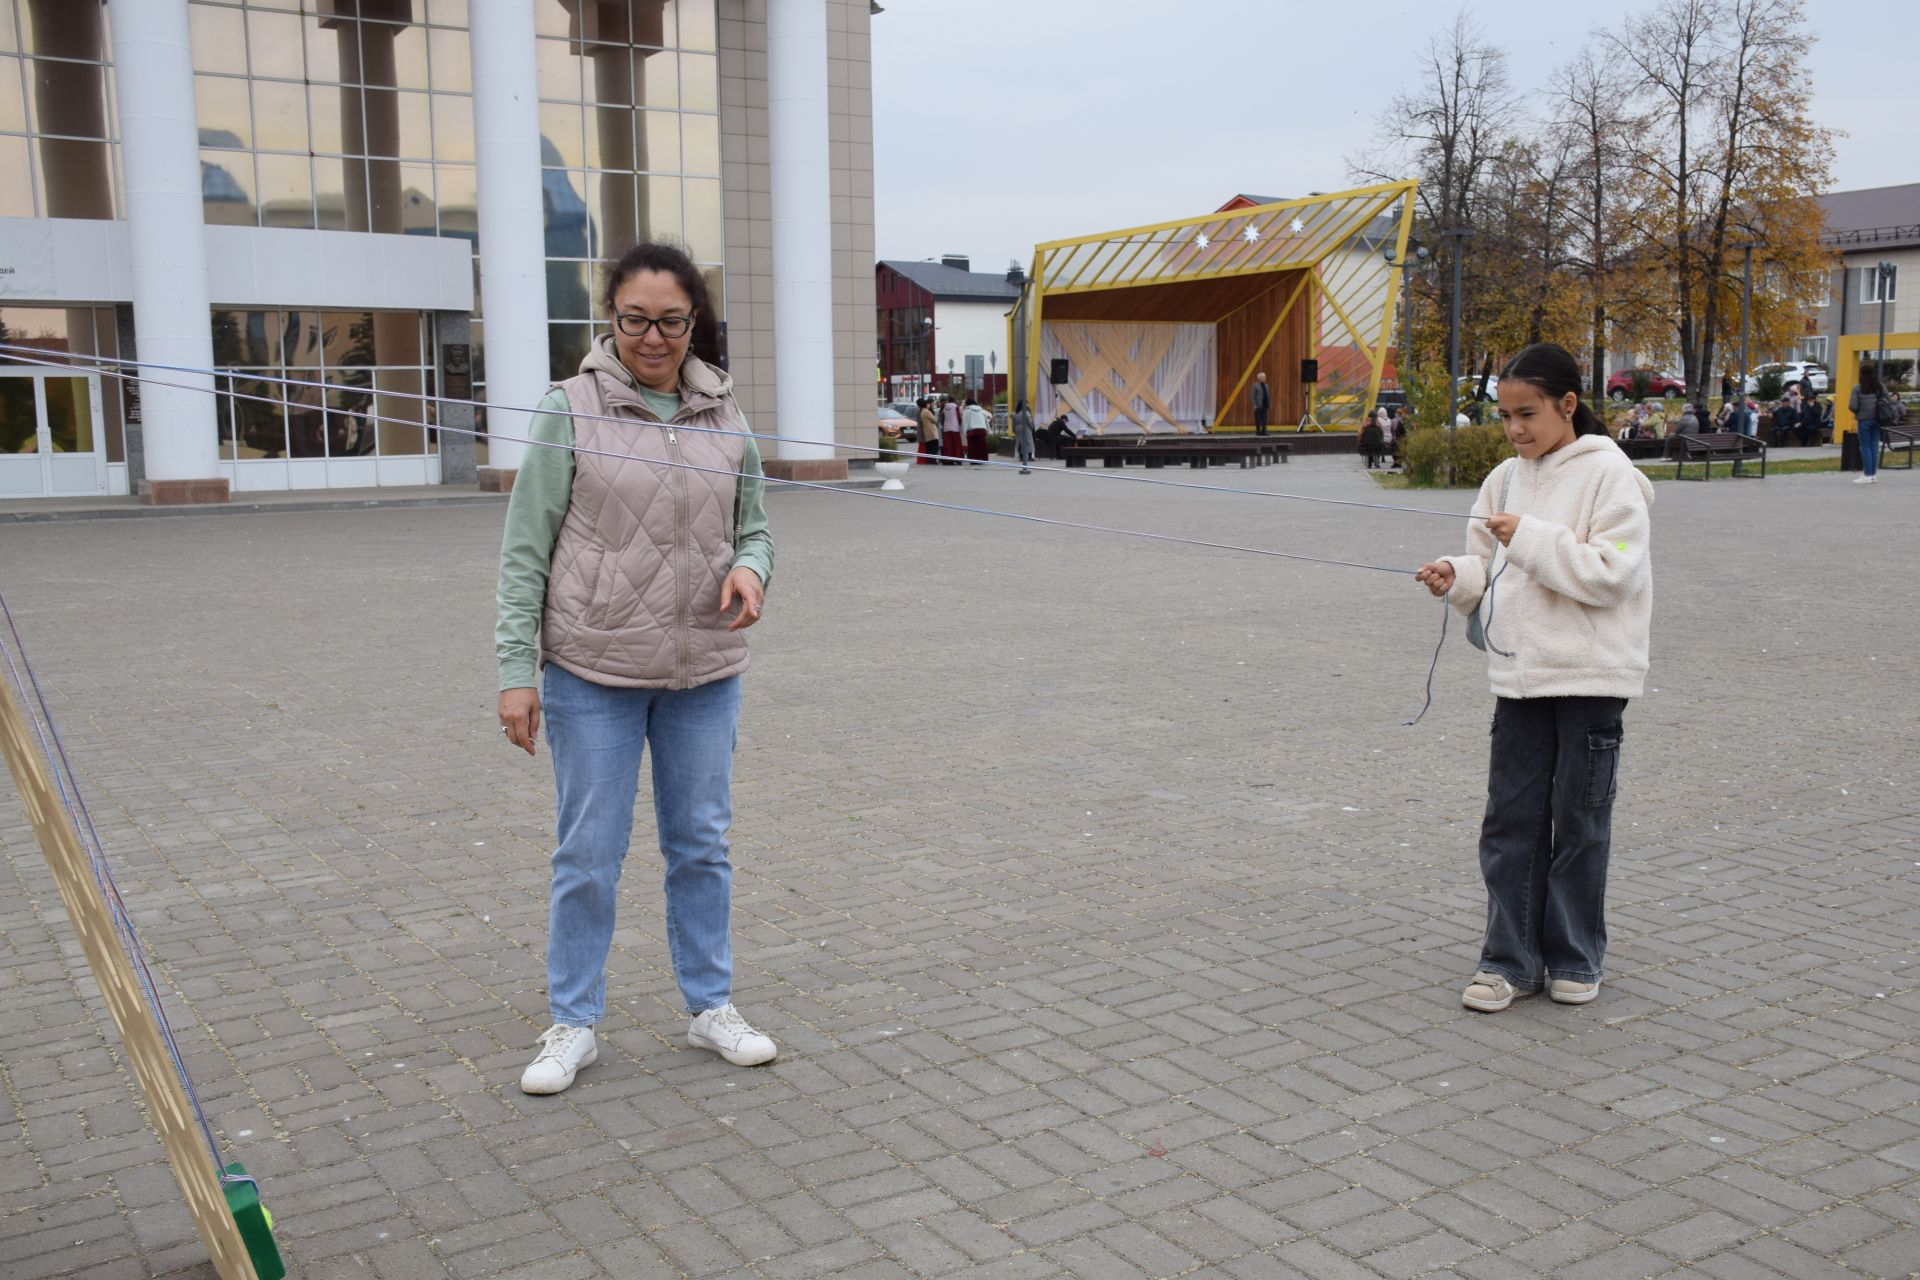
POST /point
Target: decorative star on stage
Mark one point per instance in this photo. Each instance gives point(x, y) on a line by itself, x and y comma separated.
point(1200, 241)
point(1252, 233)
point(1298, 226)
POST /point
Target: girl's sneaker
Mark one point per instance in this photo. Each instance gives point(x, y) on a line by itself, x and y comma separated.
point(563, 1051)
point(1567, 991)
point(1488, 992)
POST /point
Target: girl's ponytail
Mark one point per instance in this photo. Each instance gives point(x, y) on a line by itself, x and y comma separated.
point(1586, 422)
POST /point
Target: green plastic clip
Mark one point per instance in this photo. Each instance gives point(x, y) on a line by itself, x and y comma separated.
point(256, 1224)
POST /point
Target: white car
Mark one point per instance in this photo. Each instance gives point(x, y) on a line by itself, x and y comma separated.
point(1791, 372)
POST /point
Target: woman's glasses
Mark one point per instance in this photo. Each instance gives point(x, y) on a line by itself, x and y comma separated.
point(636, 326)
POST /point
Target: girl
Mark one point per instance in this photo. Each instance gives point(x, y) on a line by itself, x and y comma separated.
point(1564, 530)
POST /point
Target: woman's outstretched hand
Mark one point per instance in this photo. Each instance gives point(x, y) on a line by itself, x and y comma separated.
point(1437, 577)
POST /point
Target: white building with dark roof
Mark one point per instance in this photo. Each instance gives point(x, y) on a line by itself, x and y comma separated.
point(1866, 228)
point(931, 316)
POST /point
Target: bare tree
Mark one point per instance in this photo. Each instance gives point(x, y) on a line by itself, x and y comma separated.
point(1446, 131)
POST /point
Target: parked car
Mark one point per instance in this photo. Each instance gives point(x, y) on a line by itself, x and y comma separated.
point(1791, 371)
point(1660, 382)
point(904, 409)
point(895, 423)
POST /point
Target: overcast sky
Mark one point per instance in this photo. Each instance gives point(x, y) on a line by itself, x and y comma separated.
point(1001, 123)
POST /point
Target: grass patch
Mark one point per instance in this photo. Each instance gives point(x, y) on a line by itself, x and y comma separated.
point(1775, 467)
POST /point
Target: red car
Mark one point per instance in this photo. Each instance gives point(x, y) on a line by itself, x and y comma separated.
point(1659, 383)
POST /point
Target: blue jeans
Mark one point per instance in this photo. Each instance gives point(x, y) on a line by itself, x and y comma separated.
point(597, 734)
point(1869, 445)
point(1547, 835)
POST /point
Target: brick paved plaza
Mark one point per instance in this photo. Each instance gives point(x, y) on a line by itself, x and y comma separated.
point(1110, 923)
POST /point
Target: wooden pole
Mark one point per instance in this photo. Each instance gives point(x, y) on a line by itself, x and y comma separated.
point(113, 970)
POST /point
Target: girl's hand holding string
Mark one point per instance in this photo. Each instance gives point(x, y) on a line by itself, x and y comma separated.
point(1437, 577)
point(1502, 526)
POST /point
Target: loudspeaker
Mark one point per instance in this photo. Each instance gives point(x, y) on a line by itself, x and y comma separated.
point(1309, 371)
point(1058, 373)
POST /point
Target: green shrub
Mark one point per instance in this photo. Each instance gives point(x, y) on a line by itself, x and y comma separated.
point(1639, 384)
point(1770, 386)
point(1470, 453)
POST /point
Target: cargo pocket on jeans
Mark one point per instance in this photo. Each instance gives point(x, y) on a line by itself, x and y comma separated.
point(1603, 765)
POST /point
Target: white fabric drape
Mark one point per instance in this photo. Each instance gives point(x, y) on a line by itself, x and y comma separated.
point(1175, 394)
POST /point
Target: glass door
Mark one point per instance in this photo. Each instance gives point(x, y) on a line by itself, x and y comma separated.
point(50, 435)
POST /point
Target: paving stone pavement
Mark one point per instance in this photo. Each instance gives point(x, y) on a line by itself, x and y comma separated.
point(1111, 923)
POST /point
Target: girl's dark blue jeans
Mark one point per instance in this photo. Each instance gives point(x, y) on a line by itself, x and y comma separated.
point(1546, 837)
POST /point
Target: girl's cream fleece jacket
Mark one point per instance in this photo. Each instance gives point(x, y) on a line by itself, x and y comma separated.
point(1574, 607)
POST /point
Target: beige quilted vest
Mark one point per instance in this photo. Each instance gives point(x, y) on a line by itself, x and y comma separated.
point(633, 591)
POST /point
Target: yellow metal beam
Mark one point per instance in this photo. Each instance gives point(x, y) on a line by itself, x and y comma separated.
point(1254, 210)
point(1352, 328)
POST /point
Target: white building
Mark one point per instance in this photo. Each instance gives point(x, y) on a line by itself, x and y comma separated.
point(388, 198)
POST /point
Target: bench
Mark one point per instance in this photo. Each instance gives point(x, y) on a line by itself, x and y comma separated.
point(1647, 447)
point(1718, 446)
point(1900, 437)
point(1197, 451)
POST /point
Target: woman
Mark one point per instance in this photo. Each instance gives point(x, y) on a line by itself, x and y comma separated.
point(628, 571)
point(1566, 648)
point(952, 449)
point(1864, 400)
point(929, 434)
point(1023, 436)
point(977, 420)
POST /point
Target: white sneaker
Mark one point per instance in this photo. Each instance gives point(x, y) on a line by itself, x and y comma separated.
point(1488, 992)
point(564, 1050)
point(1864, 480)
point(726, 1033)
point(1567, 991)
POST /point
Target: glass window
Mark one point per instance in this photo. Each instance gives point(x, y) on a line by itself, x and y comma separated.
point(567, 346)
point(416, 127)
point(16, 181)
point(350, 429)
point(219, 39)
point(694, 24)
point(661, 134)
point(449, 60)
point(286, 191)
point(13, 101)
point(616, 219)
point(325, 103)
point(559, 70)
point(273, 45)
point(704, 235)
point(409, 52)
point(67, 98)
point(610, 138)
point(226, 187)
point(323, 46)
point(7, 43)
point(458, 206)
point(656, 79)
point(452, 128)
point(220, 105)
point(347, 338)
point(75, 178)
point(604, 23)
point(300, 341)
point(416, 199)
point(69, 414)
point(566, 213)
point(568, 284)
point(699, 82)
point(716, 278)
point(279, 116)
point(700, 142)
point(306, 424)
point(660, 197)
point(447, 13)
point(560, 140)
point(246, 339)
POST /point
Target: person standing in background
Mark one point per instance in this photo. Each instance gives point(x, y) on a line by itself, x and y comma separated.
point(1262, 396)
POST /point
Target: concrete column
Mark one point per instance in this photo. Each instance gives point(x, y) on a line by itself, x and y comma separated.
point(513, 269)
point(455, 381)
point(799, 170)
point(160, 149)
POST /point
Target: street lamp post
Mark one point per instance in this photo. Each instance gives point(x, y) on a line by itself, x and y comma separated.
point(1884, 270)
point(1420, 256)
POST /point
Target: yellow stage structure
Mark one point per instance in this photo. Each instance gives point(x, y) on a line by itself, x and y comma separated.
point(1162, 328)
point(1854, 350)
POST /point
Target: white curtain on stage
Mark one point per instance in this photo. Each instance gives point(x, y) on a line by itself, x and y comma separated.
point(1128, 378)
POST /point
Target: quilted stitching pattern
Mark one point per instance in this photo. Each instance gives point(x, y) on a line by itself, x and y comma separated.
point(620, 570)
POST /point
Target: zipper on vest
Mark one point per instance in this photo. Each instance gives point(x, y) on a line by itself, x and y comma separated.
point(682, 534)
